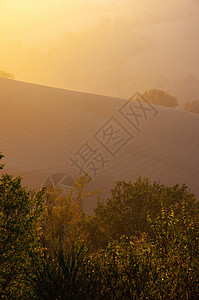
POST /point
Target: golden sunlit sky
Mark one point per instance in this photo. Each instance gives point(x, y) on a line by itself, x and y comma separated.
point(18, 16)
point(104, 47)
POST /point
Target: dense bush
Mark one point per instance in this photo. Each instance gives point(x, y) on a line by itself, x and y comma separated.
point(20, 231)
point(131, 268)
point(125, 213)
point(162, 264)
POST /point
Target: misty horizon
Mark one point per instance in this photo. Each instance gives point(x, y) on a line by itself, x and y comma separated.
point(111, 48)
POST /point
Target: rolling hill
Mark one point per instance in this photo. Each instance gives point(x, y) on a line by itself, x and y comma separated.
point(54, 135)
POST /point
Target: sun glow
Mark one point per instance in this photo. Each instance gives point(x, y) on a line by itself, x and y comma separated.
point(101, 46)
point(17, 16)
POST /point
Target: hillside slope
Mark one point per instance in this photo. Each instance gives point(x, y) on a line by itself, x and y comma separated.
point(47, 131)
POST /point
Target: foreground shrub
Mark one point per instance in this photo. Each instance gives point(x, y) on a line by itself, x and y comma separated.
point(44, 245)
point(164, 266)
point(62, 277)
point(20, 230)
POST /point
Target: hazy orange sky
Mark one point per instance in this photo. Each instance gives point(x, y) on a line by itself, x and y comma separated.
point(105, 47)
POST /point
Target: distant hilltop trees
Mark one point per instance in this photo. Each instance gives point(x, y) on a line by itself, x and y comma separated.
point(192, 106)
point(6, 75)
point(159, 97)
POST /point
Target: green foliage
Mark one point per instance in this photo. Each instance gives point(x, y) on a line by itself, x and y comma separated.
point(135, 268)
point(64, 217)
point(1, 166)
point(131, 268)
point(163, 264)
point(20, 228)
point(160, 97)
point(62, 224)
point(125, 213)
point(148, 235)
point(177, 253)
point(192, 106)
point(57, 274)
point(6, 75)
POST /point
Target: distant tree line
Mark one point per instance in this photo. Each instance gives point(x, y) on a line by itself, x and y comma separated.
point(192, 106)
point(6, 75)
point(154, 96)
point(159, 97)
